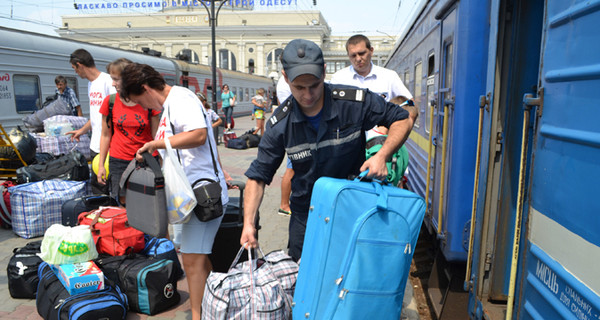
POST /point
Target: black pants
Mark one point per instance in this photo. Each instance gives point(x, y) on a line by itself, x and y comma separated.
point(297, 229)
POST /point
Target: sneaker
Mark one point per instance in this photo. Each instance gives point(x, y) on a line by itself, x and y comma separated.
point(284, 212)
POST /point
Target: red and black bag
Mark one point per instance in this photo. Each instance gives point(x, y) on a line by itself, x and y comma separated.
point(5, 217)
point(111, 231)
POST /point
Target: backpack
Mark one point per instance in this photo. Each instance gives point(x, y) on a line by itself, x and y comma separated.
point(237, 143)
point(396, 166)
point(22, 271)
point(71, 166)
point(252, 140)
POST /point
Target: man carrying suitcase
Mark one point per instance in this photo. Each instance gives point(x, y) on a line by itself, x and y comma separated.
point(322, 130)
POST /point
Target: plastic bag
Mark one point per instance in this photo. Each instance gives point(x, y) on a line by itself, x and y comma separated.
point(180, 196)
point(67, 245)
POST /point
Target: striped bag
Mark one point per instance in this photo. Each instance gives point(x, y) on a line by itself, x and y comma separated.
point(267, 294)
point(37, 205)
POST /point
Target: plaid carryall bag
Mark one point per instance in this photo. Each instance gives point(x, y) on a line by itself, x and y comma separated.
point(265, 293)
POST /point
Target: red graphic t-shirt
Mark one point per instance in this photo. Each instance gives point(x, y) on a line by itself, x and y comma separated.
point(131, 128)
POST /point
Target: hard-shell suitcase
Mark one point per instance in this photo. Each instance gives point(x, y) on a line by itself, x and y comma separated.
point(72, 208)
point(144, 187)
point(358, 248)
point(227, 240)
point(54, 302)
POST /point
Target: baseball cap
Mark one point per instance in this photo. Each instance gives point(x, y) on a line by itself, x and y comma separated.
point(302, 57)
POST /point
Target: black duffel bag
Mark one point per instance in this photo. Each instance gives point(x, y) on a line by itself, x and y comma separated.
point(22, 271)
point(71, 166)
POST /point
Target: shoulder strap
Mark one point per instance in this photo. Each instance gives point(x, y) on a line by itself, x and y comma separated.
point(281, 112)
point(111, 103)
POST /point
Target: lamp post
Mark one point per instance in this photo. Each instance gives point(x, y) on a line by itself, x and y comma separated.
point(212, 18)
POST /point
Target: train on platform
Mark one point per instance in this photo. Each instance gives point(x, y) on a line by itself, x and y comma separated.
point(29, 62)
point(505, 152)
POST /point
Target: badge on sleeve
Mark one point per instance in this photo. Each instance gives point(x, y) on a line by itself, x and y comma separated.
point(349, 94)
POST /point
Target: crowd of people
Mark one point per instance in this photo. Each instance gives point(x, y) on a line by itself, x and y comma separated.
point(318, 133)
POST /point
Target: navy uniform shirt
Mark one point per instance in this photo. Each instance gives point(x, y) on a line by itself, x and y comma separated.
point(337, 150)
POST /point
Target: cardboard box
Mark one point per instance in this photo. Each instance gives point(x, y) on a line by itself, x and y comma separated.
point(80, 277)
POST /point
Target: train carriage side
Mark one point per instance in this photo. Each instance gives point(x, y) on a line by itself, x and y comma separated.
point(29, 62)
point(536, 245)
point(443, 55)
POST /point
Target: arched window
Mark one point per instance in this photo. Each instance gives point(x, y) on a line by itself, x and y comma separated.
point(273, 62)
point(188, 55)
point(226, 60)
point(251, 66)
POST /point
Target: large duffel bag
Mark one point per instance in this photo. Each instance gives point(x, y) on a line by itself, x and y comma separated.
point(54, 302)
point(36, 206)
point(111, 231)
point(359, 241)
point(34, 121)
point(266, 293)
point(72, 208)
point(150, 284)
point(22, 271)
point(71, 166)
point(144, 187)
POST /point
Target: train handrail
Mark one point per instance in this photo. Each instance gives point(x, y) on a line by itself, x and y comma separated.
point(443, 170)
point(482, 103)
point(429, 158)
point(528, 101)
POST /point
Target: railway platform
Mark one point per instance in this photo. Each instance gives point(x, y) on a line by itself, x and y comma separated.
point(272, 236)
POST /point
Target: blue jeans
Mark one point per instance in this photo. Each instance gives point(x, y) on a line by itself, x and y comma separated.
point(228, 115)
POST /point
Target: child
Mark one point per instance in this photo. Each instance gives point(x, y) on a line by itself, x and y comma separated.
point(260, 104)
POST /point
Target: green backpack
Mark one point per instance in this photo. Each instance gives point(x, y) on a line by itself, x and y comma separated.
point(396, 166)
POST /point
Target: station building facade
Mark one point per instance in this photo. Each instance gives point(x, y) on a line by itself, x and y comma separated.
point(247, 40)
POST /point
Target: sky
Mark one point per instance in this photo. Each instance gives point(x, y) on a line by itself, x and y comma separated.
point(345, 17)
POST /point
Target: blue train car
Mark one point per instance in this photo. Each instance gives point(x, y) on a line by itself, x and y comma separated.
point(505, 152)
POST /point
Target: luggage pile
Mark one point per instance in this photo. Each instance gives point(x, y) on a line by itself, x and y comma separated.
point(95, 266)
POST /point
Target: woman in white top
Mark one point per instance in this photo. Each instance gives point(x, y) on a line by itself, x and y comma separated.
point(185, 124)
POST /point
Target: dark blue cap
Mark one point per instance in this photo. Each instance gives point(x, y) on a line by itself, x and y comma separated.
point(302, 57)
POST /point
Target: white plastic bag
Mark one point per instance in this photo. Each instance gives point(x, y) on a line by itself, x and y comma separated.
point(67, 245)
point(180, 196)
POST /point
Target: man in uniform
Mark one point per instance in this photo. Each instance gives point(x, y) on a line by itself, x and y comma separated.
point(322, 130)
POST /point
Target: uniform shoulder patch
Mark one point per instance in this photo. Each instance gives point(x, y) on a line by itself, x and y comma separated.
point(281, 112)
point(348, 94)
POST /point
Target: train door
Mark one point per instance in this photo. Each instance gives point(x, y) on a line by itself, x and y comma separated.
point(559, 276)
point(512, 72)
point(444, 98)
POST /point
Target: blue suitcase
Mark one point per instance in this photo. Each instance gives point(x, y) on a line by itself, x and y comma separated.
point(357, 250)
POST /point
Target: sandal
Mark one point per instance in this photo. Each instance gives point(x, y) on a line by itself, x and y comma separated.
point(284, 212)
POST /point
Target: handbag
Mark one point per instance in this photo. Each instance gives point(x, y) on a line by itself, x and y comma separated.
point(180, 197)
point(208, 195)
point(254, 289)
point(231, 101)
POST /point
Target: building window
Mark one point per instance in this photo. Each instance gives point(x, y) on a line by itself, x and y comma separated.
point(330, 67)
point(27, 93)
point(251, 66)
point(273, 62)
point(188, 55)
point(226, 60)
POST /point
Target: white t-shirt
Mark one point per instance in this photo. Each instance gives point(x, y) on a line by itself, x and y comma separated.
point(212, 115)
point(283, 90)
point(380, 80)
point(187, 114)
point(97, 91)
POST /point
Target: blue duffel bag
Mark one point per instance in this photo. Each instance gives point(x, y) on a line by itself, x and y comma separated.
point(161, 248)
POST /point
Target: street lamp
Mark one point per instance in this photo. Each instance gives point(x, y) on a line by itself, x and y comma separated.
point(213, 23)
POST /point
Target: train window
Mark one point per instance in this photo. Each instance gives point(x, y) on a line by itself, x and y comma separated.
point(72, 83)
point(27, 93)
point(431, 64)
point(406, 77)
point(448, 67)
point(246, 95)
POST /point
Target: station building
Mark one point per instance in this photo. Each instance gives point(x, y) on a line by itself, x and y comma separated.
point(249, 38)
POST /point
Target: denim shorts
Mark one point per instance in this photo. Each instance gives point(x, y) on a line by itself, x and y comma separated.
point(197, 236)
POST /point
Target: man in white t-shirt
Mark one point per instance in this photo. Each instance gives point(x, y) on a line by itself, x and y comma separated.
point(364, 74)
point(99, 87)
